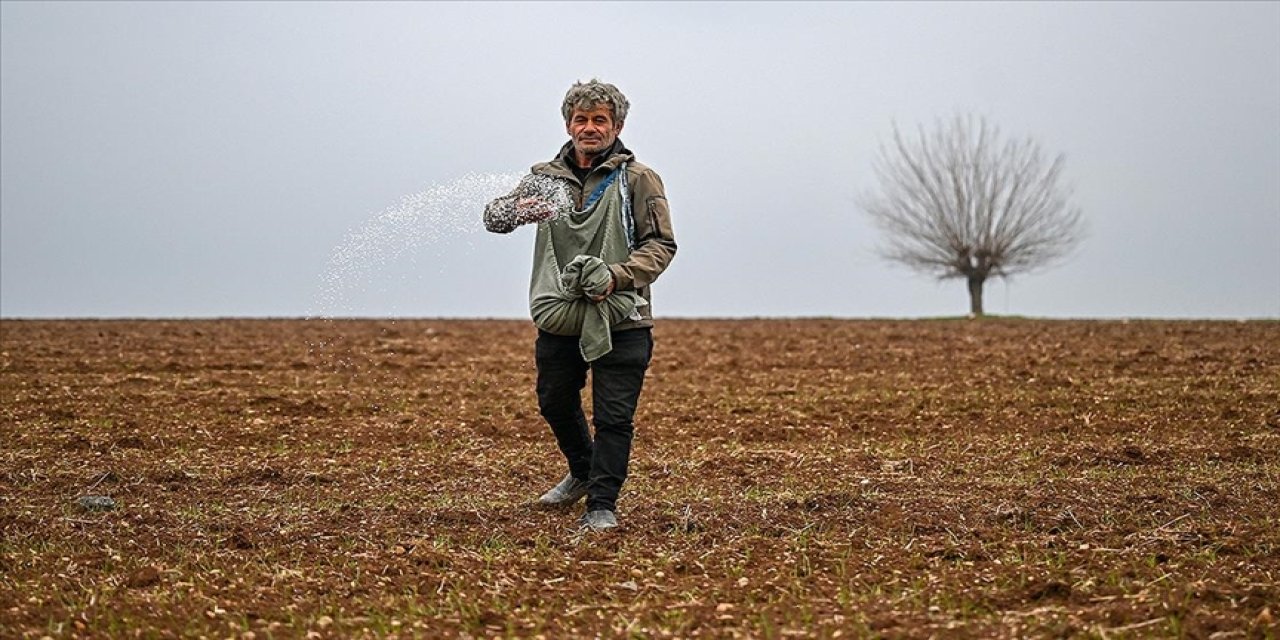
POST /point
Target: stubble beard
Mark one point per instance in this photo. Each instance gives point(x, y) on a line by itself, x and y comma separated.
point(591, 150)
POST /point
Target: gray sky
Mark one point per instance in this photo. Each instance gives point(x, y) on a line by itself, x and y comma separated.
point(188, 159)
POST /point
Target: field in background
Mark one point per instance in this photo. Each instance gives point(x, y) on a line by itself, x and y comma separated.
point(823, 478)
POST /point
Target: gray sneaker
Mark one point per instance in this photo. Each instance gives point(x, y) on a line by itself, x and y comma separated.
point(569, 491)
point(599, 520)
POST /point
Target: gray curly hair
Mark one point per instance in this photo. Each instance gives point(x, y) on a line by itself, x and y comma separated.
point(585, 95)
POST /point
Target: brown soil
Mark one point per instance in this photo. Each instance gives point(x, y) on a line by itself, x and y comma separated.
point(818, 478)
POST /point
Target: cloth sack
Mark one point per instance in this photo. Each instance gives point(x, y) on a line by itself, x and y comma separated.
point(571, 255)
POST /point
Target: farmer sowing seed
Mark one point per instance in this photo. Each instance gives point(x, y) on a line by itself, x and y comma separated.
point(604, 235)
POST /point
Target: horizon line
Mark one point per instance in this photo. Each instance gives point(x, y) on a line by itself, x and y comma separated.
point(369, 318)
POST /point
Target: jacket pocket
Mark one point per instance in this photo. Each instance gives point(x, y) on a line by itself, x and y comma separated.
point(659, 216)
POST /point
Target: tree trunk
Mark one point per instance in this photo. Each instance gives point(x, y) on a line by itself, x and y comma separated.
point(975, 295)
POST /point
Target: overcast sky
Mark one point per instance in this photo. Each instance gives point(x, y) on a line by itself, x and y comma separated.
point(184, 159)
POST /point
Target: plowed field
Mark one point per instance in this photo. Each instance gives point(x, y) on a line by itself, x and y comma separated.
point(811, 478)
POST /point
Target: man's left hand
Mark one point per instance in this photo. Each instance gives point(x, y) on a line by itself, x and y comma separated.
point(608, 290)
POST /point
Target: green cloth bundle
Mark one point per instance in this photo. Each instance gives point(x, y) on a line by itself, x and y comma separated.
point(570, 263)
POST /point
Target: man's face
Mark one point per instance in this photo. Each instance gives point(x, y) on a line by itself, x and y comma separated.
point(592, 130)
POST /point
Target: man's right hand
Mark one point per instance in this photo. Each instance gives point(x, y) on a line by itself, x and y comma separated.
point(533, 210)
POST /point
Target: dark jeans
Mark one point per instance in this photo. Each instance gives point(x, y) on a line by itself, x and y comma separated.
point(616, 380)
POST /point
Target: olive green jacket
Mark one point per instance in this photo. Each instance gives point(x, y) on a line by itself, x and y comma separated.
point(655, 242)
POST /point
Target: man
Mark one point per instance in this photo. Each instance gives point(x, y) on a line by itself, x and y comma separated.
point(590, 294)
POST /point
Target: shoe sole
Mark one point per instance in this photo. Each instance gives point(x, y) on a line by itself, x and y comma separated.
point(547, 504)
point(587, 527)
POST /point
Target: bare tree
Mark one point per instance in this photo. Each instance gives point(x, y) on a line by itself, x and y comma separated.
point(960, 203)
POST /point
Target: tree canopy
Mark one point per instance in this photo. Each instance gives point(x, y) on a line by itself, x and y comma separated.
point(960, 202)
